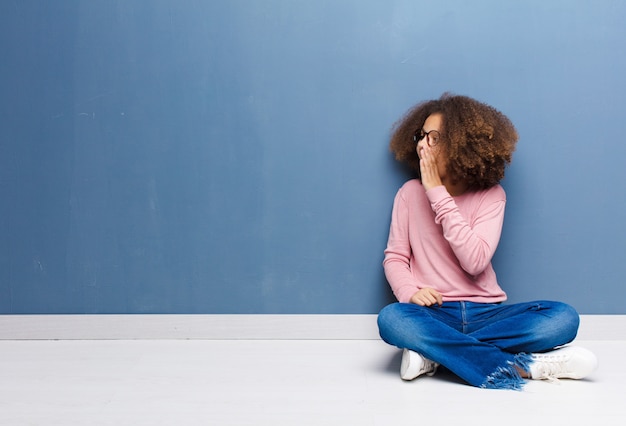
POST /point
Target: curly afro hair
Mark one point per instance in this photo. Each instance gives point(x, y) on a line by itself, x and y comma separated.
point(477, 139)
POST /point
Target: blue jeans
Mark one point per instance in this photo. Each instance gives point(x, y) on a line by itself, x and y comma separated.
point(482, 343)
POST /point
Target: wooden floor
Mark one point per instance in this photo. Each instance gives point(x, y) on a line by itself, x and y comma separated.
point(276, 382)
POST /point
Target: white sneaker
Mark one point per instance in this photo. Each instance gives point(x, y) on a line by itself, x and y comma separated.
point(569, 362)
point(414, 365)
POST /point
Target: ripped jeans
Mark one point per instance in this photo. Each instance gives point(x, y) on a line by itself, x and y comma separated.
point(482, 343)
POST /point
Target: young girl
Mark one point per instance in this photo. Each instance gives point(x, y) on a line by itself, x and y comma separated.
point(445, 228)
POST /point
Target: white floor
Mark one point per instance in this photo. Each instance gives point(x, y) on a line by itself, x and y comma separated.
point(276, 382)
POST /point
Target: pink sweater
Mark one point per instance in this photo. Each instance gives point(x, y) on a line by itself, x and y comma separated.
point(445, 242)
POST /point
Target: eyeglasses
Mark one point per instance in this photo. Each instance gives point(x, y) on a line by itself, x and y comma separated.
point(432, 137)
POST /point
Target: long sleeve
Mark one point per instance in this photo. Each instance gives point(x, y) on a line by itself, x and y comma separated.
point(398, 253)
point(475, 243)
point(444, 242)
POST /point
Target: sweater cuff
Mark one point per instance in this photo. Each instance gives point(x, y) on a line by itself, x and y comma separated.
point(437, 194)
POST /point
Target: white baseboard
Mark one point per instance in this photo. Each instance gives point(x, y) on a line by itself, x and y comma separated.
point(234, 327)
point(62, 327)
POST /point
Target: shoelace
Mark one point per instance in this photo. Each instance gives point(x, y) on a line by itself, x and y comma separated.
point(550, 367)
point(429, 367)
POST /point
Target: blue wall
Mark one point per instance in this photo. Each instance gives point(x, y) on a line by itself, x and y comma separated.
point(171, 156)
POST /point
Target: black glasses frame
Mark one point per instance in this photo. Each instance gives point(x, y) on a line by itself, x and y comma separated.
point(421, 134)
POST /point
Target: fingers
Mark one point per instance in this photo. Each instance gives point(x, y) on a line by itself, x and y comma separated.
point(427, 172)
point(426, 154)
point(428, 168)
point(428, 162)
point(439, 298)
point(427, 297)
point(434, 297)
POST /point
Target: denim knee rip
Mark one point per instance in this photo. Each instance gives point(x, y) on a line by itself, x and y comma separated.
point(508, 377)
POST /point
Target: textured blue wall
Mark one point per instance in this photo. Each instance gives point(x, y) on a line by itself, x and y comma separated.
point(171, 156)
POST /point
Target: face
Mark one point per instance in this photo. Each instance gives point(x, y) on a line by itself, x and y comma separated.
point(433, 122)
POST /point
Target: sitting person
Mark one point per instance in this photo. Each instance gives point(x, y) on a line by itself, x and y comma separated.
point(445, 229)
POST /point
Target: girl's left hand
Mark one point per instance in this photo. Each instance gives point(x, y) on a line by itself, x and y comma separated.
point(429, 168)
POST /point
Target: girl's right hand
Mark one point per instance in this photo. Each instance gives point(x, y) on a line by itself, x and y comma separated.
point(427, 297)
